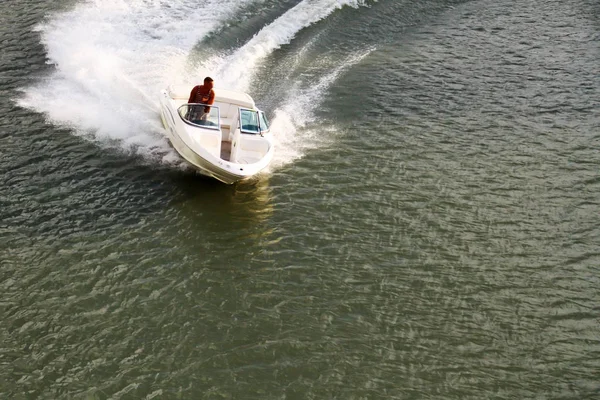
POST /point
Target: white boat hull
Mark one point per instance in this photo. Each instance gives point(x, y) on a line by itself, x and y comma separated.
point(207, 149)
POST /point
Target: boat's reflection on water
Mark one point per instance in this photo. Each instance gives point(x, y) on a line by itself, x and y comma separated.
point(244, 206)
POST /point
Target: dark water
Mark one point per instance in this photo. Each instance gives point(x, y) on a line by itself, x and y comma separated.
point(429, 229)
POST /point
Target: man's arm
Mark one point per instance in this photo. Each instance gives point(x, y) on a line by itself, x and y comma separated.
point(211, 100)
point(193, 94)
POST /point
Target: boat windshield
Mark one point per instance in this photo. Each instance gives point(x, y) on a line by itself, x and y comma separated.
point(194, 114)
point(253, 121)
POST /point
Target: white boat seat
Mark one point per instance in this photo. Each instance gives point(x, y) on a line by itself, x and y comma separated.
point(252, 148)
point(211, 141)
point(228, 114)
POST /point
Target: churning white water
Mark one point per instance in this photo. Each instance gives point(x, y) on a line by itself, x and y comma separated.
point(112, 57)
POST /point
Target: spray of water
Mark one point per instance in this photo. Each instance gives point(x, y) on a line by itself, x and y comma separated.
point(297, 114)
point(112, 57)
point(237, 70)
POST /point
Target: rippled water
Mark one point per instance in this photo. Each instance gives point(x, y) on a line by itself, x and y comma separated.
point(429, 227)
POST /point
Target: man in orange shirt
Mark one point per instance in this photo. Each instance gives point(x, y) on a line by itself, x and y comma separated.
point(203, 94)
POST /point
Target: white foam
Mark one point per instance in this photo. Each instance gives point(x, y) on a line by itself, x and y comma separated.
point(112, 58)
point(237, 70)
point(297, 114)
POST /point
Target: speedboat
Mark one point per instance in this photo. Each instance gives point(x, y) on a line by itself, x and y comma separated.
point(231, 142)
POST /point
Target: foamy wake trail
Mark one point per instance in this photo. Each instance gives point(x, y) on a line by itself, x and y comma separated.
point(297, 114)
point(237, 70)
point(112, 57)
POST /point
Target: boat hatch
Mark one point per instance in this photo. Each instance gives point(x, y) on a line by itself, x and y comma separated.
point(253, 121)
point(194, 114)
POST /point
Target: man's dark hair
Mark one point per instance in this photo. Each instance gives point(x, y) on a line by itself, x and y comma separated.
point(208, 79)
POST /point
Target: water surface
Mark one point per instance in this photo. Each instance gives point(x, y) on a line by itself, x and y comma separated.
point(428, 228)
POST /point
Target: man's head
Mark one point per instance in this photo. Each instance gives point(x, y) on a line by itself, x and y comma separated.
point(208, 81)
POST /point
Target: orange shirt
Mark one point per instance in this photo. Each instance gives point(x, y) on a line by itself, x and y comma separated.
point(201, 94)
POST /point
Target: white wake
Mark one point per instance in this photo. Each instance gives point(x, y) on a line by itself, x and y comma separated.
point(112, 58)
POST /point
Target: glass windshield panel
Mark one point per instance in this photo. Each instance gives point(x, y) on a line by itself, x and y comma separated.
point(264, 124)
point(249, 121)
point(196, 114)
